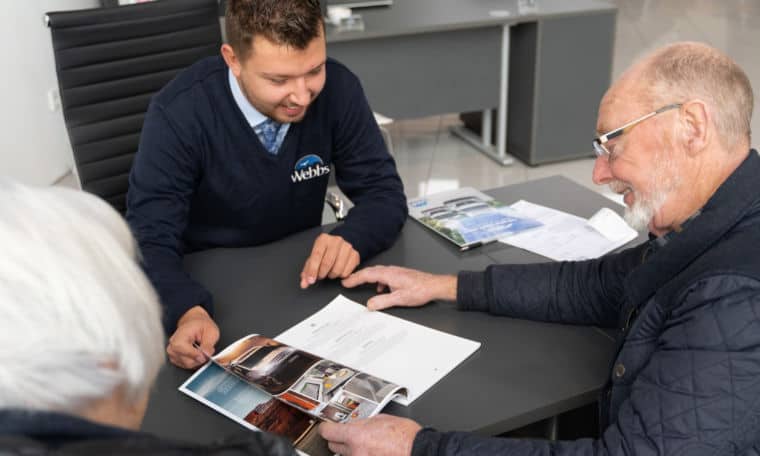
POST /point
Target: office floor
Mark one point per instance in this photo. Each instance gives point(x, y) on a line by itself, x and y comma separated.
point(430, 159)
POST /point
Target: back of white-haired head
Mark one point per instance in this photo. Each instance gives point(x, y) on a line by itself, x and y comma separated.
point(79, 318)
point(686, 71)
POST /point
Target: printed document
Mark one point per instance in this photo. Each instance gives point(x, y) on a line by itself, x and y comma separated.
point(567, 237)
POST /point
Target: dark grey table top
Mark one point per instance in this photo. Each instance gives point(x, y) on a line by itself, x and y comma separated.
point(524, 371)
point(420, 16)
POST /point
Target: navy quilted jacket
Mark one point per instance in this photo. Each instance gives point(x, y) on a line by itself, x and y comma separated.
point(686, 377)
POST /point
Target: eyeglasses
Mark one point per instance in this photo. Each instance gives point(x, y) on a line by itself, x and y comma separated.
point(599, 142)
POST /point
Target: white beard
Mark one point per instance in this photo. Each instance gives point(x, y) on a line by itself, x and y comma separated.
point(643, 210)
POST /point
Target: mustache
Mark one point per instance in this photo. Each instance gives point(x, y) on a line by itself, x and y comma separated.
point(619, 186)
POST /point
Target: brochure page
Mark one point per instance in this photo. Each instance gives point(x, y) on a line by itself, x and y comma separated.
point(253, 408)
point(468, 217)
point(380, 344)
point(317, 386)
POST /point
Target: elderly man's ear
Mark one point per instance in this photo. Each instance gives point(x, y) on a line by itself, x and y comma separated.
point(695, 132)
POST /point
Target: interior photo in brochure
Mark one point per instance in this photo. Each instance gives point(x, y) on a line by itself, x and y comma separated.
point(264, 384)
point(254, 408)
point(306, 381)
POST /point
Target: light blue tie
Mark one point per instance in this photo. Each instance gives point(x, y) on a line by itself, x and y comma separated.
point(267, 132)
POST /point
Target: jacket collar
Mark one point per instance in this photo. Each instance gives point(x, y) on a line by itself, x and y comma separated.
point(54, 426)
point(669, 256)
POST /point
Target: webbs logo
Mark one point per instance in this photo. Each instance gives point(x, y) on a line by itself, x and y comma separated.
point(309, 167)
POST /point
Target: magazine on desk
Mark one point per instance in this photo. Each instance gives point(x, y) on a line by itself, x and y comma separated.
point(468, 218)
point(357, 361)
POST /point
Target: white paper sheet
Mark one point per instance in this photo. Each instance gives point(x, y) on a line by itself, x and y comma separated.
point(611, 225)
point(566, 237)
point(405, 353)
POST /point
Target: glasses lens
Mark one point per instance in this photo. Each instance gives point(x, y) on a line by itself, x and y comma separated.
point(599, 148)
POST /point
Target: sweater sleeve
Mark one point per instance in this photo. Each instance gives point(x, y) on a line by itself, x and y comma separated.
point(366, 173)
point(163, 179)
point(586, 292)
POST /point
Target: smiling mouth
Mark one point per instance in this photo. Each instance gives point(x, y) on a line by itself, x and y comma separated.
point(623, 189)
point(293, 109)
point(620, 187)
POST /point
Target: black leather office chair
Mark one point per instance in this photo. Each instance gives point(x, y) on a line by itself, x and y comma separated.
point(110, 61)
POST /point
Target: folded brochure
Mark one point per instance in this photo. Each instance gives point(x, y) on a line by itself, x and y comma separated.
point(467, 217)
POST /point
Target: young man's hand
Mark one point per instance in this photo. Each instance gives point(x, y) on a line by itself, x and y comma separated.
point(331, 257)
point(195, 326)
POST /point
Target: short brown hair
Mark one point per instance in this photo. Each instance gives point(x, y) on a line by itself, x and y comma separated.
point(292, 23)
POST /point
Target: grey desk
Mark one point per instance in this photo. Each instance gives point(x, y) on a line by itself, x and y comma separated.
point(525, 371)
point(544, 68)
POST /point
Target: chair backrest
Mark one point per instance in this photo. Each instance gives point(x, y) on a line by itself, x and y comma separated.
point(110, 61)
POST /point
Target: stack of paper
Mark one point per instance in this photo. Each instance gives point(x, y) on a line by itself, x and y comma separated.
point(566, 237)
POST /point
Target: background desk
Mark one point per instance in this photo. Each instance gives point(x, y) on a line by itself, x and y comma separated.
point(525, 371)
point(545, 68)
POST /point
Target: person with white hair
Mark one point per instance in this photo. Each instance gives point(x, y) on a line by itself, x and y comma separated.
point(81, 341)
point(674, 139)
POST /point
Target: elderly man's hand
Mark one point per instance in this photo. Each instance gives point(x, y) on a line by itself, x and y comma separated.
point(195, 326)
point(408, 287)
point(383, 434)
point(331, 257)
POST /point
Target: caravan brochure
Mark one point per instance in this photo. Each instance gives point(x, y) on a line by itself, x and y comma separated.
point(467, 217)
point(266, 385)
point(270, 385)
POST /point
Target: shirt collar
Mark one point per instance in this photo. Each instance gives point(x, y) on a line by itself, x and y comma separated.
point(252, 115)
point(662, 241)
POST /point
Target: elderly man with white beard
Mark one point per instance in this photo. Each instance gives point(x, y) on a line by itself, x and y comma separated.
point(674, 139)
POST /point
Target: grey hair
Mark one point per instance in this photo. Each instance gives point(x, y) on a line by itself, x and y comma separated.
point(80, 319)
point(686, 71)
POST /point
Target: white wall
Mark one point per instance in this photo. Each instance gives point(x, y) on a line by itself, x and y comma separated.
point(34, 146)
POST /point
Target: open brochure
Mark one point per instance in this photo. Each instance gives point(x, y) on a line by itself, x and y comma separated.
point(468, 218)
point(269, 384)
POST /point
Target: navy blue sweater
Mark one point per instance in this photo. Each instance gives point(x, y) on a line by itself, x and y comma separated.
point(202, 178)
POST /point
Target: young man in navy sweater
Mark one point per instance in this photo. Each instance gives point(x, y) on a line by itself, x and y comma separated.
point(237, 150)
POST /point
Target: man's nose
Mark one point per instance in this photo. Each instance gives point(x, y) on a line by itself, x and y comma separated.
point(301, 94)
point(602, 173)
